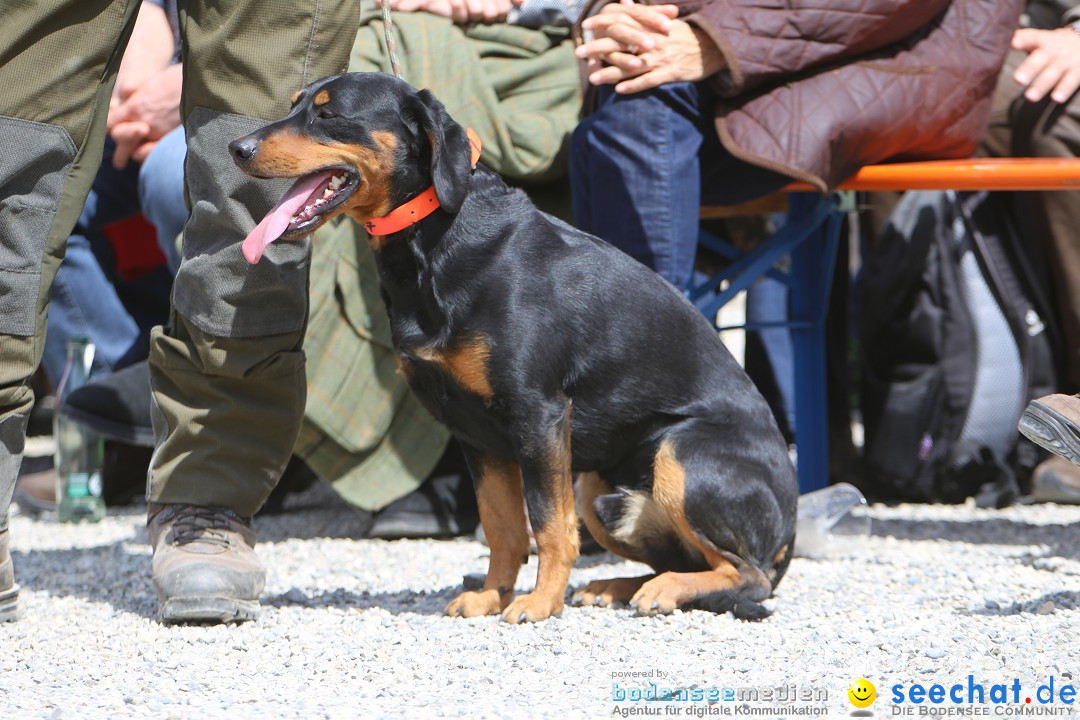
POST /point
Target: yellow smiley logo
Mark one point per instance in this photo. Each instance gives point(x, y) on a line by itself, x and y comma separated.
point(862, 693)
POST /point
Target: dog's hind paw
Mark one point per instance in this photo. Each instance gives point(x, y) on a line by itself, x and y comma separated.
point(615, 591)
point(475, 603)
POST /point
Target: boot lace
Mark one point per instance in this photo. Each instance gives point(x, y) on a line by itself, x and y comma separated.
point(192, 523)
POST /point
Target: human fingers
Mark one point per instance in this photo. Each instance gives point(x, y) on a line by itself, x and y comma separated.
point(1026, 39)
point(1030, 67)
point(143, 150)
point(501, 9)
point(1045, 79)
point(476, 9)
point(1066, 87)
point(127, 136)
point(631, 37)
point(118, 112)
point(647, 80)
point(611, 74)
point(492, 11)
point(654, 17)
point(459, 11)
point(1052, 64)
point(608, 50)
point(407, 5)
point(1060, 50)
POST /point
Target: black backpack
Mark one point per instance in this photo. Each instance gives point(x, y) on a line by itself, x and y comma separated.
point(956, 337)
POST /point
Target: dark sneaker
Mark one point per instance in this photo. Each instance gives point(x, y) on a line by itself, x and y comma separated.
point(204, 569)
point(117, 406)
point(443, 507)
point(123, 477)
point(35, 492)
point(1057, 481)
point(9, 591)
point(1053, 422)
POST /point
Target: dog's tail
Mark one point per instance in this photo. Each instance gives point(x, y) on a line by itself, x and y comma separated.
point(755, 585)
point(738, 602)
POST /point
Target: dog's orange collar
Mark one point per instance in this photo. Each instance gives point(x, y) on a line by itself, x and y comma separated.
point(420, 206)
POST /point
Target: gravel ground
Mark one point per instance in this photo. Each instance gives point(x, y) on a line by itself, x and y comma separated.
point(353, 628)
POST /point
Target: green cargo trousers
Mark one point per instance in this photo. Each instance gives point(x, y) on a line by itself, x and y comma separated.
point(228, 374)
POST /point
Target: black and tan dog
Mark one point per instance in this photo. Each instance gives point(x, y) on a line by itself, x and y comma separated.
point(550, 355)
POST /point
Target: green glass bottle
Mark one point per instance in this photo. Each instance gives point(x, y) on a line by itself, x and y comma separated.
point(79, 450)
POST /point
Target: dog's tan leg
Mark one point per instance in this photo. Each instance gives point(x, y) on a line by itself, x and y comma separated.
point(727, 573)
point(550, 495)
point(502, 513)
point(612, 591)
point(589, 487)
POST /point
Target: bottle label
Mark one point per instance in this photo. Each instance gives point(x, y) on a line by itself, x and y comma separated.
point(84, 484)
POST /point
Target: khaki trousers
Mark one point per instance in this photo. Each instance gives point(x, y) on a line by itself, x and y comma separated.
point(228, 375)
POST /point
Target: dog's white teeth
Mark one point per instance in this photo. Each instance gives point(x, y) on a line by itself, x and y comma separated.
point(329, 191)
point(337, 181)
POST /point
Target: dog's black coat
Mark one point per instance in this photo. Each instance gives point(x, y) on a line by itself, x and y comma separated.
point(546, 348)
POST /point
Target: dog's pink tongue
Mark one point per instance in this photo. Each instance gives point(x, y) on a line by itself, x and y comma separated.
point(277, 220)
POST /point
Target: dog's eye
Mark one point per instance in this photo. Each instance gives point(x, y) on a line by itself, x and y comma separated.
point(324, 114)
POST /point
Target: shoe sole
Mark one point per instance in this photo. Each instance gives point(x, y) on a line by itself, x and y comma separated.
point(1050, 430)
point(9, 605)
point(207, 611)
point(31, 506)
point(139, 436)
point(412, 526)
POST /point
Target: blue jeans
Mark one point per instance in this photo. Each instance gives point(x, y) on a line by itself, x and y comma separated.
point(770, 360)
point(161, 193)
point(640, 167)
point(88, 300)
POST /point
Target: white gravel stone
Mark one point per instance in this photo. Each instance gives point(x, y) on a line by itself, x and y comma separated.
point(354, 628)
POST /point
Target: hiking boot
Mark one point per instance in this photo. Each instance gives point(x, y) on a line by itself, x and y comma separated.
point(1053, 422)
point(117, 406)
point(9, 591)
point(1057, 481)
point(204, 569)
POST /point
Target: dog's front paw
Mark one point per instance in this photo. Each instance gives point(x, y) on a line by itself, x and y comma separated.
point(475, 603)
point(531, 608)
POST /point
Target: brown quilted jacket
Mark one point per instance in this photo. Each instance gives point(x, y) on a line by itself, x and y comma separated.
point(816, 89)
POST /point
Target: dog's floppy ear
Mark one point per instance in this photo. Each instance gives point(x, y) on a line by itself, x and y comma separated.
point(451, 165)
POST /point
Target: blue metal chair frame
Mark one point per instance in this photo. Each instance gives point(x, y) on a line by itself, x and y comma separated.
point(811, 237)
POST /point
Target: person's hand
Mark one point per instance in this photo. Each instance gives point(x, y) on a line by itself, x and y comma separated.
point(138, 120)
point(637, 47)
point(1052, 65)
point(460, 11)
point(129, 138)
point(149, 50)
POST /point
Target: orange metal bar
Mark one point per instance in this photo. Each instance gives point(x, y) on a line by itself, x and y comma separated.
point(969, 174)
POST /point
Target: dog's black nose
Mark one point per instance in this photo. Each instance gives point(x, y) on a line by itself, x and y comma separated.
point(243, 148)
